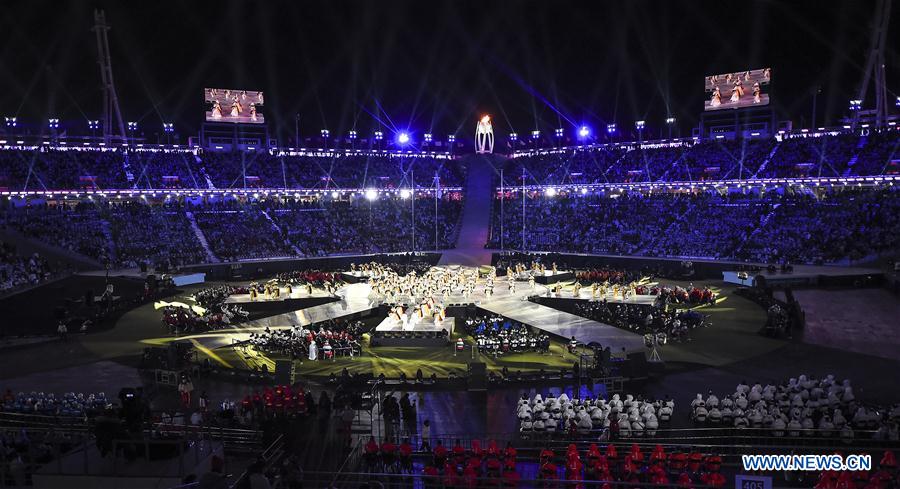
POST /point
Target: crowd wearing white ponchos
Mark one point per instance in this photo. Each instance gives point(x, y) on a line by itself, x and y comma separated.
point(633, 417)
point(801, 406)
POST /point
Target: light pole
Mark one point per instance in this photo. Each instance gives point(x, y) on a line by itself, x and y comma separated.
point(815, 93)
point(132, 126)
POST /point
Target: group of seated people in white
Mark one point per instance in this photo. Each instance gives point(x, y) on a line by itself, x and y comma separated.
point(801, 406)
point(47, 403)
point(627, 415)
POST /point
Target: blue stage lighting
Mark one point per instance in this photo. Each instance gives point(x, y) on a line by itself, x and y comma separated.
point(403, 138)
point(584, 132)
point(610, 128)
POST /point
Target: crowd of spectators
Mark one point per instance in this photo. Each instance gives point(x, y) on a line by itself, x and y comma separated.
point(806, 156)
point(834, 226)
point(50, 169)
point(22, 271)
point(245, 233)
point(584, 223)
point(84, 168)
point(360, 226)
point(880, 154)
point(49, 404)
point(832, 155)
point(133, 233)
point(145, 234)
point(79, 228)
point(796, 226)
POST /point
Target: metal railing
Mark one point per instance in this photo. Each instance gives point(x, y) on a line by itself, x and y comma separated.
point(721, 440)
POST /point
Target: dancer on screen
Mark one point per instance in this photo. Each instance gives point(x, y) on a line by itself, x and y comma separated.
point(716, 99)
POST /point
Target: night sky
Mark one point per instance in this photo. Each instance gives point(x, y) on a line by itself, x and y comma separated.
point(432, 65)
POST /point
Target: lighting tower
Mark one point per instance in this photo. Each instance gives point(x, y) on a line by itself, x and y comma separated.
point(110, 99)
point(875, 63)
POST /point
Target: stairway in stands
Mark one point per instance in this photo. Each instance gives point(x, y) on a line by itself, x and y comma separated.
point(210, 256)
point(474, 225)
point(762, 224)
point(850, 164)
point(765, 163)
point(277, 229)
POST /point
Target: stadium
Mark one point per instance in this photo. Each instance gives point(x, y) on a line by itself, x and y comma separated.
point(449, 244)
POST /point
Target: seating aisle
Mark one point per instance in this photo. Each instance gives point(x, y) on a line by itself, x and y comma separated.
point(475, 222)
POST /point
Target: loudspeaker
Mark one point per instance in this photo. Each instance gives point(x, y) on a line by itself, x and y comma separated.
point(637, 363)
point(477, 378)
point(284, 370)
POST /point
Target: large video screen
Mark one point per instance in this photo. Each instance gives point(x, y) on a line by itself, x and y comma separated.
point(738, 90)
point(236, 106)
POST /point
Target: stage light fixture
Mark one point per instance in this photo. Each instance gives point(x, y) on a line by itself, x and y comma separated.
point(550, 192)
point(54, 123)
point(670, 120)
point(535, 134)
point(11, 121)
point(132, 126)
point(405, 194)
point(93, 124)
point(610, 128)
point(855, 104)
point(428, 137)
point(584, 132)
point(334, 195)
point(379, 135)
point(639, 125)
point(352, 135)
point(451, 138)
point(559, 132)
point(513, 136)
point(168, 127)
point(325, 133)
point(371, 194)
point(403, 138)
